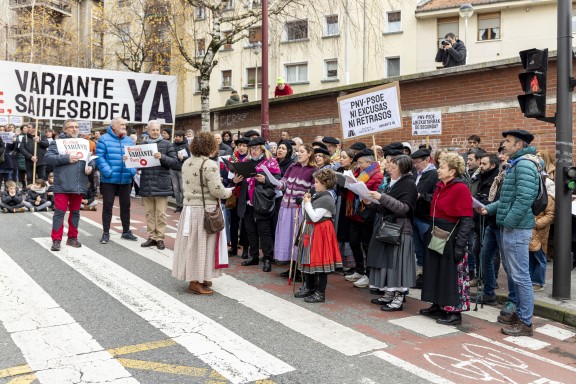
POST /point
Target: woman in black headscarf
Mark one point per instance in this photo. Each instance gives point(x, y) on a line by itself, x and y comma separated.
point(285, 159)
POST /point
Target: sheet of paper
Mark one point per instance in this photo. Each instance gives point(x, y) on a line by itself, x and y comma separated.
point(89, 160)
point(141, 156)
point(183, 152)
point(270, 177)
point(137, 179)
point(574, 207)
point(476, 204)
point(361, 190)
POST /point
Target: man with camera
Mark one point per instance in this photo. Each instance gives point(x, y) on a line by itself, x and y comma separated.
point(452, 52)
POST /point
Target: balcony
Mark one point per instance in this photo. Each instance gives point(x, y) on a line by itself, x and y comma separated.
point(62, 6)
point(56, 34)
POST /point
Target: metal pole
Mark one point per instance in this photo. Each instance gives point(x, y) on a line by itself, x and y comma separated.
point(466, 40)
point(347, 45)
point(256, 80)
point(265, 111)
point(364, 46)
point(563, 223)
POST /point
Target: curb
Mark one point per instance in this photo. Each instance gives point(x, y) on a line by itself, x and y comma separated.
point(549, 311)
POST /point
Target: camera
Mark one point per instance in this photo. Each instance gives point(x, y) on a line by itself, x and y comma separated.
point(445, 43)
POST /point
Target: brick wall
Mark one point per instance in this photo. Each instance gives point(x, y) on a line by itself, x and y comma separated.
point(477, 99)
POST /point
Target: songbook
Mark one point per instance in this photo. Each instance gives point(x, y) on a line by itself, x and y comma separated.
point(245, 169)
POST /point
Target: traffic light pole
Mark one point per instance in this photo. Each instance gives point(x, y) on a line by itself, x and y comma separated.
point(563, 222)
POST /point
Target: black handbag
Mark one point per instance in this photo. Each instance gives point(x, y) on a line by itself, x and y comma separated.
point(389, 232)
point(263, 200)
point(213, 220)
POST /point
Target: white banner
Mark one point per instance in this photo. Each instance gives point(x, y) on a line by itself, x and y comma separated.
point(74, 147)
point(60, 93)
point(427, 123)
point(141, 156)
point(370, 111)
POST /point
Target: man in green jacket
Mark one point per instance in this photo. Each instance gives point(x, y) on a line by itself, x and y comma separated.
point(515, 218)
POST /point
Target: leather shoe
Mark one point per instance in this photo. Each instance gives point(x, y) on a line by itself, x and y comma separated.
point(267, 266)
point(160, 244)
point(245, 253)
point(518, 329)
point(451, 318)
point(207, 283)
point(148, 243)
point(233, 252)
point(433, 311)
point(199, 289)
point(285, 274)
point(317, 297)
point(304, 292)
point(251, 261)
point(509, 320)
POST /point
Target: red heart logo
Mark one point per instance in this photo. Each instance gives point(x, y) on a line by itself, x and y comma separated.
point(143, 162)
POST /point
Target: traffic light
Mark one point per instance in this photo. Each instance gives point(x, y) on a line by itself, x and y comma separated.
point(570, 178)
point(533, 81)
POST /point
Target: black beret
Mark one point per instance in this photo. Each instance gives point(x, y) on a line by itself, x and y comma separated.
point(396, 145)
point(256, 141)
point(322, 150)
point(362, 153)
point(394, 149)
point(330, 140)
point(242, 140)
point(319, 144)
point(420, 153)
point(251, 132)
point(289, 142)
point(358, 146)
point(521, 134)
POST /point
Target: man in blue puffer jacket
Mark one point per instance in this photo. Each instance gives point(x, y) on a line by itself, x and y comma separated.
point(515, 218)
point(115, 178)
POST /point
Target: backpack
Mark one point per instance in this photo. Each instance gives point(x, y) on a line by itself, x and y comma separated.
point(541, 201)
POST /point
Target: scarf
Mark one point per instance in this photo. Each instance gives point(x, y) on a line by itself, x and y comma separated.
point(39, 191)
point(152, 141)
point(495, 187)
point(367, 174)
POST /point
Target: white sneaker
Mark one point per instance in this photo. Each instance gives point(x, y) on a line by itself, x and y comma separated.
point(353, 277)
point(363, 282)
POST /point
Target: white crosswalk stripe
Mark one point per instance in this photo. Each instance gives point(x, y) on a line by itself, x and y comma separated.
point(233, 357)
point(555, 332)
point(55, 346)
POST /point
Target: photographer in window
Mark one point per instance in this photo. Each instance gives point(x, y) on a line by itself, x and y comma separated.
point(452, 52)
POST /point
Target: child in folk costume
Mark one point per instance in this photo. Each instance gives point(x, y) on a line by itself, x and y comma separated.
point(318, 253)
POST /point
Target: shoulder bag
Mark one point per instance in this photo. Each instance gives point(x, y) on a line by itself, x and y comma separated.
point(389, 232)
point(439, 236)
point(213, 220)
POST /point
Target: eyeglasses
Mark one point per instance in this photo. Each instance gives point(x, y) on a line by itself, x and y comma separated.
point(72, 126)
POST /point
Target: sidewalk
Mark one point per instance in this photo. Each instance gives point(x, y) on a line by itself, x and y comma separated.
point(562, 311)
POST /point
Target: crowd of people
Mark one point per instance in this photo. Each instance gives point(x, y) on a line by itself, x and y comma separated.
point(435, 220)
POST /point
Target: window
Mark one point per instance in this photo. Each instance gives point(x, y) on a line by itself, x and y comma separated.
point(226, 79)
point(251, 75)
point(197, 85)
point(447, 25)
point(331, 25)
point(229, 5)
point(200, 13)
point(226, 46)
point(331, 69)
point(200, 47)
point(392, 66)
point(296, 73)
point(252, 3)
point(122, 3)
point(255, 35)
point(393, 22)
point(124, 31)
point(296, 30)
point(489, 26)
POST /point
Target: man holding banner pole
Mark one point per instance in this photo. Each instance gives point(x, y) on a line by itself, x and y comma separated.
point(115, 177)
point(33, 147)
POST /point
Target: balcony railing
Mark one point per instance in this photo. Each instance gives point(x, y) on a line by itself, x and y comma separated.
point(64, 6)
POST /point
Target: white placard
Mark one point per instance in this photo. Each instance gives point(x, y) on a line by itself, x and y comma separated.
point(141, 156)
point(7, 137)
point(60, 93)
point(77, 147)
point(370, 111)
point(3, 120)
point(427, 123)
point(183, 152)
point(16, 120)
point(84, 127)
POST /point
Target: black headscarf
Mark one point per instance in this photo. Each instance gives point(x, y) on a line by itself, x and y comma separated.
point(288, 160)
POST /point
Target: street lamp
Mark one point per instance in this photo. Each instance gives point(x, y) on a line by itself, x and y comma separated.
point(256, 48)
point(466, 11)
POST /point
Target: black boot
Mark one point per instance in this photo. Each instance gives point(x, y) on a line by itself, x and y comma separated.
point(304, 292)
point(267, 266)
point(245, 252)
point(251, 261)
point(317, 297)
point(233, 251)
point(450, 318)
point(432, 311)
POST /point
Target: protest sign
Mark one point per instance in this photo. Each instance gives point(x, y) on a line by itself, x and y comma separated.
point(141, 156)
point(84, 127)
point(76, 147)
point(7, 137)
point(16, 120)
point(427, 123)
point(60, 93)
point(370, 111)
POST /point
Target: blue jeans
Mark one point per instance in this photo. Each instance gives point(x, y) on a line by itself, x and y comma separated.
point(491, 244)
point(419, 229)
point(515, 251)
point(538, 267)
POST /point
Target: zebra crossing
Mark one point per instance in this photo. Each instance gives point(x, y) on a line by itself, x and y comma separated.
point(60, 349)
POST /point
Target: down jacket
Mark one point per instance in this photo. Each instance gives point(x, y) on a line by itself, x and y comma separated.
point(68, 178)
point(27, 148)
point(519, 189)
point(110, 152)
point(156, 181)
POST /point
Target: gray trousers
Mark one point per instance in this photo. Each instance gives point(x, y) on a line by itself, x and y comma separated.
point(177, 186)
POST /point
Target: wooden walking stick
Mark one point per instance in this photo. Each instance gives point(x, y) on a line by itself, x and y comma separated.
point(294, 236)
point(35, 154)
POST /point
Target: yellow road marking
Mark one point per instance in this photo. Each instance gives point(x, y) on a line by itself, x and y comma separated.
point(141, 347)
point(161, 367)
point(19, 370)
point(26, 379)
